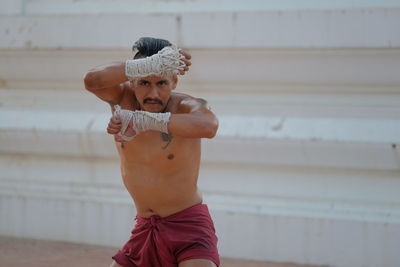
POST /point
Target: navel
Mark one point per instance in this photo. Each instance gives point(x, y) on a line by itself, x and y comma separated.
point(170, 156)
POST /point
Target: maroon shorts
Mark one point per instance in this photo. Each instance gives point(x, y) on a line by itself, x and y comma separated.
point(165, 242)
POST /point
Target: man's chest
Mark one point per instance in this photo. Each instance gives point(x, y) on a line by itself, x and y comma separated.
point(159, 148)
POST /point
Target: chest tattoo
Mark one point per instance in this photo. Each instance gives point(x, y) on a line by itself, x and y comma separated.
point(166, 138)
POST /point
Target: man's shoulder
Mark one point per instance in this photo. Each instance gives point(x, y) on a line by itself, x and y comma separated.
point(184, 103)
point(179, 97)
point(128, 98)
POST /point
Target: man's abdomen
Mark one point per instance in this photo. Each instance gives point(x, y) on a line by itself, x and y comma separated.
point(162, 195)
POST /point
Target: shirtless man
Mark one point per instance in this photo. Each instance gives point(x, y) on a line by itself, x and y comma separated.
point(160, 165)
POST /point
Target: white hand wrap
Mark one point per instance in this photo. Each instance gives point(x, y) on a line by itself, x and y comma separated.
point(167, 61)
point(142, 121)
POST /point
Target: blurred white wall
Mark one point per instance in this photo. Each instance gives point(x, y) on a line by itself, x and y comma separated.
point(306, 164)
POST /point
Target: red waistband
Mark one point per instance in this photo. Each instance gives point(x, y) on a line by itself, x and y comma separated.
point(196, 209)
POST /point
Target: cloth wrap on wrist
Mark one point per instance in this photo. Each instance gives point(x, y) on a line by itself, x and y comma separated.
point(142, 121)
point(167, 61)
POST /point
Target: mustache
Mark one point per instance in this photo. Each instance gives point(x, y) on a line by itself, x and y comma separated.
point(157, 100)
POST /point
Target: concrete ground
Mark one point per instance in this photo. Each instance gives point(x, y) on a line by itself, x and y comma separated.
point(19, 252)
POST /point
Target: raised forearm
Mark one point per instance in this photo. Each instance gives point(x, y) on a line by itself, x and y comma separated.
point(167, 61)
point(105, 76)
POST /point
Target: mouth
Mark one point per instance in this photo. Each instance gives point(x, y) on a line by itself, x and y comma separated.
point(152, 102)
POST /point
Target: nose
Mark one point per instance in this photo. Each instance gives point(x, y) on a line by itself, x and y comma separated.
point(153, 92)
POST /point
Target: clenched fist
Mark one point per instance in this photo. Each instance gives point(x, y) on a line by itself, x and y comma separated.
point(186, 60)
point(114, 128)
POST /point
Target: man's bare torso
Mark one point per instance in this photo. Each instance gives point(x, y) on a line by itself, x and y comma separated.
point(159, 171)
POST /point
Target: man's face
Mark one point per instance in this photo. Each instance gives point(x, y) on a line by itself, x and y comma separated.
point(153, 92)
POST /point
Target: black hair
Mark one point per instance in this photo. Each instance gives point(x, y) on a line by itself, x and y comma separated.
point(148, 46)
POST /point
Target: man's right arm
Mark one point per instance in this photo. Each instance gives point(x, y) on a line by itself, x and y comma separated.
point(107, 82)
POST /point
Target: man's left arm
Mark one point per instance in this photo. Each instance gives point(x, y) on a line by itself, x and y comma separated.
point(194, 120)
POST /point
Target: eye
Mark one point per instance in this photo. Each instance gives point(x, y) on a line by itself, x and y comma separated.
point(162, 83)
point(143, 83)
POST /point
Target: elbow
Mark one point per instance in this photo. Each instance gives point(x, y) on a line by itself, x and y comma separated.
point(211, 129)
point(90, 80)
